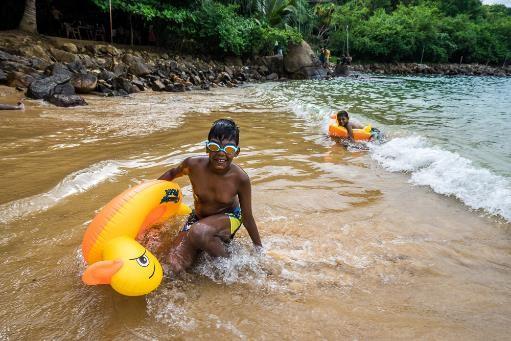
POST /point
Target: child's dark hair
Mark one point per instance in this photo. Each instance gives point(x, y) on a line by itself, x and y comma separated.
point(224, 129)
point(341, 114)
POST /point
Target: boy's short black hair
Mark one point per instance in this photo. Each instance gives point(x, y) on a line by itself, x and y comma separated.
point(224, 129)
point(342, 113)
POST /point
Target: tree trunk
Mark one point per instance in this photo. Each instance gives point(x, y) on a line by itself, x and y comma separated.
point(29, 23)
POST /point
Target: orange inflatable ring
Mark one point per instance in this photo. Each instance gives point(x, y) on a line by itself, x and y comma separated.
point(335, 130)
point(109, 245)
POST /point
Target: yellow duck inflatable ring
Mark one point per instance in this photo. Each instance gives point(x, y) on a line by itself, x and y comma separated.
point(109, 246)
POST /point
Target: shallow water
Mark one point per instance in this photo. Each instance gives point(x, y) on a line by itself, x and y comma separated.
point(353, 247)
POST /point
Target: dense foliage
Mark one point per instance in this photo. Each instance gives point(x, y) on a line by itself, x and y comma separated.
point(379, 30)
point(433, 31)
point(232, 27)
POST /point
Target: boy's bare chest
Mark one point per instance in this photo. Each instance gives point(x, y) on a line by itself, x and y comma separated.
point(209, 189)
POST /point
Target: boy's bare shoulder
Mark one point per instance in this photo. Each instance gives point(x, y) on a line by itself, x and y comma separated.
point(195, 160)
point(240, 173)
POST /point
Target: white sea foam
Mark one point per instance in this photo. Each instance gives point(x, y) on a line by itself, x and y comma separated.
point(446, 173)
point(244, 267)
point(74, 183)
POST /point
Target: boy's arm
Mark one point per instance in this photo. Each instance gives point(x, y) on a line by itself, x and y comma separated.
point(245, 197)
point(350, 132)
point(182, 169)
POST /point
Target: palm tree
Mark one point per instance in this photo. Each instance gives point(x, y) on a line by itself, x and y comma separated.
point(276, 12)
point(29, 23)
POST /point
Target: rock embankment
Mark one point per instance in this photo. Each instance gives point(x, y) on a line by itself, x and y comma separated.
point(59, 70)
point(434, 69)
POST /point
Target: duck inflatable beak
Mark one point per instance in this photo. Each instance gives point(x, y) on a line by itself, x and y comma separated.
point(102, 272)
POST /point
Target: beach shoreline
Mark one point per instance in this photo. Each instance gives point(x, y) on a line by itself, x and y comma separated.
point(60, 70)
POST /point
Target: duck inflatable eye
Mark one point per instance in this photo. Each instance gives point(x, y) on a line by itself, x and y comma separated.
point(143, 260)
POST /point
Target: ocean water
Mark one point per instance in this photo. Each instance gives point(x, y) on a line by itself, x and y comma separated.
point(409, 238)
point(452, 134)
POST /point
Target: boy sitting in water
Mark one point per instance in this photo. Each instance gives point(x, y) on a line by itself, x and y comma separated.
point(343, 119)
point(221, 192)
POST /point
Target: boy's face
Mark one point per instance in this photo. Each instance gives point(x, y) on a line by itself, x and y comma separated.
point(221, 160)
point(343, 120)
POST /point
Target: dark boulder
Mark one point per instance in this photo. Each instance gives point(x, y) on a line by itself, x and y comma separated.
point(9, 65)
point(104, 88)
point(120, 92)
point(179, 87)
point(3, 77)
point(106, 75)
point(157, 85)
point(301, 63)
point(174, 67)
point(6, 56)
point(341, 70)
point(275, 64)
point(136, 65)
point(84, 83)
point(310, 72)
point(58, 69)
point(66, 89)
point(120, 69)
point(139, 84)
point(223, 77)
point(66, 101)
point(38, 64)
point(272, 77)
point(43, 88)
point(298, 57)
point(77, 67)
point(121, 83)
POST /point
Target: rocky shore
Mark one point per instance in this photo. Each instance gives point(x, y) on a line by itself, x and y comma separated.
point(59, 70)
point(433, 69)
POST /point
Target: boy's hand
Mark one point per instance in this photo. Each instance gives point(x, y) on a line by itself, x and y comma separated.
point(258, 249)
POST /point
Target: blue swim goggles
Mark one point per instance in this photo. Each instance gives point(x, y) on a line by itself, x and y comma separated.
point(230, 149)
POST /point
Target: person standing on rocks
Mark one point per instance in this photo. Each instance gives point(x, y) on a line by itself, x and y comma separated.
point(327, 57)
point(322, 56)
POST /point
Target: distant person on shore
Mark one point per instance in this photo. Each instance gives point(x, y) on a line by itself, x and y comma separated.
point(277, 49)
point(322, 56)
point(18, 106)
point(326, 52)
point(222, 199)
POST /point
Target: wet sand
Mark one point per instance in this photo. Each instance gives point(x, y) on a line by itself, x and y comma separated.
point(351, 251)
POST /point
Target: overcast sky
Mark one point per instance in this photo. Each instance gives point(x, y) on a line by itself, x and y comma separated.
point(502, 2)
